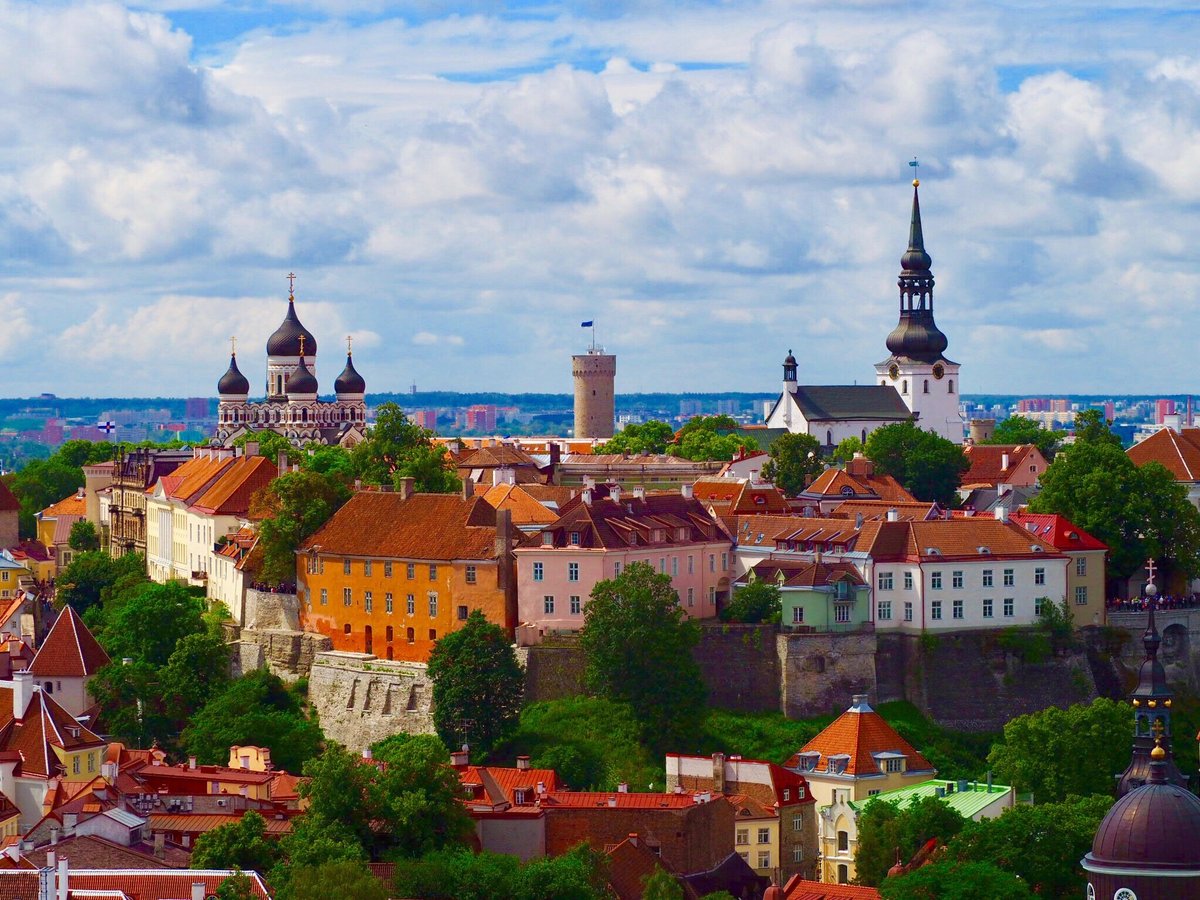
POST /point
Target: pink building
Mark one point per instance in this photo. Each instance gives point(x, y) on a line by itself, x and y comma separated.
point(601, 532)
point(426, 418)
point(1162, 409)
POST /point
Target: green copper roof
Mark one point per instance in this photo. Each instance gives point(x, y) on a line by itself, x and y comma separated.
point(968, 803)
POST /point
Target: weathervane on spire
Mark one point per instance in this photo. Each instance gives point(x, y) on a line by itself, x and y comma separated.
point(291, 284)
point(914, 164)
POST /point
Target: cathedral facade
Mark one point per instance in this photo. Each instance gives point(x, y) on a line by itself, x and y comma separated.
point(291, 405)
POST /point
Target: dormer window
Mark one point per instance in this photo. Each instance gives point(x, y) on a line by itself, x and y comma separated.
point(681, 534)
point(808, 761)
point(574, 538)
point(547, 538)
point(519, 797)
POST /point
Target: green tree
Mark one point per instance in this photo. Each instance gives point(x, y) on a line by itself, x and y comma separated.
point(238, 886)
point(1056, 752)
point(758, 601)
point(885, 827)
point(39, 484)
point(130, 703)
point(239, 845)
point(254, 709)
point(270, 445)
point(397, 447)
point(709, 437)
point(648, 437)
point(459, 874)
point(637, 645)
point(846, 450)
point(83, 536)
point(147, 622)
point(1041, 844)
point(795, 461)
point(344, 879)
point(1091, 428)
point(927, 465)
point(78, 453)
point(477, 685)
point(90, 574)
point(329, 460)
point(196, 671)
point(1139, 512)
point(1020, 430)
point(660, 885)
point(952, 880)
point(292, 508)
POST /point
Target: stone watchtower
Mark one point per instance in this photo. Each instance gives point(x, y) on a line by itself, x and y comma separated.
point(595, 373)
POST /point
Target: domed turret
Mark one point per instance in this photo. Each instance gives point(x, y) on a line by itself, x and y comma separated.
point(349, 382)
point(291, 338)
point(789, 369)
point(301, 381)
point(916, 336)
point(233, 383)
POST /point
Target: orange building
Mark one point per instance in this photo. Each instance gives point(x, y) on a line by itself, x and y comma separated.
point(390, 573)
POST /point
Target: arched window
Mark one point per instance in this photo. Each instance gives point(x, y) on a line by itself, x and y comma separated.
point(952, 385)
point(904, 386)
point(864, 435)
point(829, 438)
point(346, 628)
point(389, 631)
point(926, 388)
point(412, 635)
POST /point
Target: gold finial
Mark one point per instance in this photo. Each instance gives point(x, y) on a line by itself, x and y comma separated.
point(349, 345)
point(1158, 752)
point(301, 345)
point(291, 284)
point(1137, 702)
point(233, 345)
point(916, 182)
point(1151, 704)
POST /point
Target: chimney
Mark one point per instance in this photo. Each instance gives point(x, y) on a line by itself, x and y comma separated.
point(64, 890)
point(586, 496)
point(1004, 461)
point(633, 838)
point(368, 753)
point(612, 802)
point(460, 758)
point(686, 491)
point(468, 488)
point(541, 788)
point(53, 834)
point(70, 820)
point(623, 787)
point(614, 493)
point(893, 515)
point(251, 448)
point(719, 772)
point(160, 844)
point(639, 492)
point(51, 859)
point(522, 763)
point(22, 692)
point(1002, 513)
point(192, 762)
point(858, 520)
point(406, 487)
point(281, 462)
point(198, 890)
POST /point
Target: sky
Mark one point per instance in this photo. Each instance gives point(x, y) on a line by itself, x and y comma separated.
point(459, 185)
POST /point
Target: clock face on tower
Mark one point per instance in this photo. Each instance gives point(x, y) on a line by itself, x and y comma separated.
point(1124, 894)
point(894, 371)
point(938, 371)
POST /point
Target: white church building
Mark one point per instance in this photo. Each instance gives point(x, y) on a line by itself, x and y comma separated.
point(915, 381)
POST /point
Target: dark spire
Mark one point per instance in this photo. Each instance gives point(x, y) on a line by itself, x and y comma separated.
point(301, 381)
point(1151, 700)
point(916, 336)
point(287, 338)
point(789, 367)
point(233, 382)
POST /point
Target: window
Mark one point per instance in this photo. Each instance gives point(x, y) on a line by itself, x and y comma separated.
point(1008, 606)
point(712, 562)
point(574, 538)
point(470, 574)
point(433, 634)
point(925, 386)
point(987, 577)
point(797, 615)
point(957, 609)
point(1009, 580)
point(885, 581)
point(894, 765)
point(935, 609)
point(433, 572)
point(1081, 595)
point(91, 762)
point(908, 581)
point(956, 580)
point(935, 581)
point(346, 628)
point(1081, 566)
point(411, 604)
point(797, 822)
point(872, 792)
point(743, 836)
point(345, 566)
point(390, 635)
point(538, 571)
point(764, 835)
point(1039, 575)
point(904, 386)
point(548, 604)
point(724, 562)
point(764, 859)
point(367, 567)
point(841, 614)
point(787, 795)
point(662, 565)
point(907, 610)
point(951, 386)
point(462, 614)
point(388, 605)
point(432, 605)
point(691, 565)
point(616, 569)
point(843, 839)
point(75, 764)
point(324, 597)
point(347, 597)
point(885, 610)
point(797, 850)
point(674, 566)
point(411, 571)
point(411, 635)
point(572, 571)
point(576, 605)
point(987, 609)
point(691, 597)
point(387, 570)
point(368, 601)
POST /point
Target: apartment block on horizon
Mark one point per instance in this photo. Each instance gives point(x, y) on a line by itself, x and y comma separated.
point(603, 531)
point(393, 571)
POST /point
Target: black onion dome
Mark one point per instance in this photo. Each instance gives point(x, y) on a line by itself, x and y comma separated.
point(233, 381)
point(1151, 827)
point(789, 360)
point(301, 381)
point(286, 339)
point(350, 382)
point(916, 336)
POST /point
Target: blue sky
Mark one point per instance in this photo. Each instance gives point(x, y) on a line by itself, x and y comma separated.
point(459, 185)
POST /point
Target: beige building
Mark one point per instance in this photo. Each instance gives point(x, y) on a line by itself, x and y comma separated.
point(595, 373)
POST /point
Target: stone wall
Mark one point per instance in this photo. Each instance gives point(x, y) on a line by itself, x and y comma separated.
point(266, 611)
point(553, 669)
point(740, 666)
point(819, 673)
point(361, 699)
point(272, 638)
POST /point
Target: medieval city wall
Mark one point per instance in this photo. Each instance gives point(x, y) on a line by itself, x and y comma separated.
point(361, 699)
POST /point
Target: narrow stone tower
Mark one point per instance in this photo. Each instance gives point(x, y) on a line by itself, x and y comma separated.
point(595, 410)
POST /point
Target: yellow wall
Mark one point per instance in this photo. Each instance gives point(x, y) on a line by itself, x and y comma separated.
point(751, 847)
point(1091, 613)
point(81, 764)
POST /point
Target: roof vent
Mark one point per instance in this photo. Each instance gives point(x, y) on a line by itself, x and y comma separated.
point(1037, 548)
point(932, 551)
point(983, 550)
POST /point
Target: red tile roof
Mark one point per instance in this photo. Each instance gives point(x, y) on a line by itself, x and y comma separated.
point(987, 462)
point(69, 650)
point(1058, 530)
point(632, 521)
point(230, 494)
point(631, 863)
point(136, 884)
point(955, 539)
point(201, 823)
point(509, 780)
point(620, 800)
point(425, 526)
point(805, 574)
point(798, 889)
point(878, 509)
point(1178, 451)
point(44, 726)
point(8, 500)
point(857, 734)
point(73, 505)
point(525, 509)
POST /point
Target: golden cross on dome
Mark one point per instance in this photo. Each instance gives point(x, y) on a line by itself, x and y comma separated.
point(349, 345)
point(1158, 729)
point(301, 345)
point(1151, 568)
point(291, 283)
point(233, 345)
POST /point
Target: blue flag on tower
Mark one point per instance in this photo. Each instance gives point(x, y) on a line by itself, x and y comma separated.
point(913, 162)
point(585, 324)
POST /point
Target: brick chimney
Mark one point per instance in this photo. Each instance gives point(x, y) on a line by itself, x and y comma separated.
point(719, 773)
point(522, 763)
point(468, 488)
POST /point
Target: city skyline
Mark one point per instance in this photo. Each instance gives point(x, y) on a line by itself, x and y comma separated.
point(459, 185)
